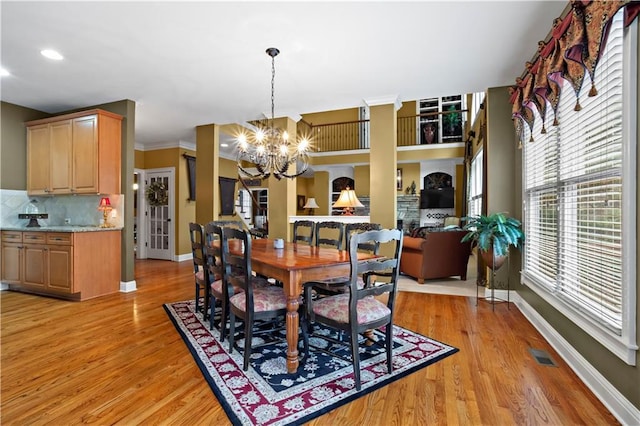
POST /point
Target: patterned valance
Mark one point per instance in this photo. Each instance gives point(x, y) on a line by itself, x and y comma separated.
point(573, 49)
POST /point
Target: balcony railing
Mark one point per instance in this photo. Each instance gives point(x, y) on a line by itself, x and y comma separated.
point(352, 135)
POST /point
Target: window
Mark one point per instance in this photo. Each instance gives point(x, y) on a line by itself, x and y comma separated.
point(475, 186)
point(579, 196)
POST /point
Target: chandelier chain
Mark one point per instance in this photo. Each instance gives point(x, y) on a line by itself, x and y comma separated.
point(273, 90)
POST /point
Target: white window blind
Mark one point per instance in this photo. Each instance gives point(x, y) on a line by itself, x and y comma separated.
point(573, 184)
point(475, 186)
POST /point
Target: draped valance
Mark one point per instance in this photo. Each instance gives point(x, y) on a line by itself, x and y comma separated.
point(573, 49)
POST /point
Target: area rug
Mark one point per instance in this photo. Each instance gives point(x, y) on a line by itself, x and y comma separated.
point(267, 395)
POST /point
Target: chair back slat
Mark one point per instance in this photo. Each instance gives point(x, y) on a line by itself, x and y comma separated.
point(213, 249)
point(309, 228)
point(196, 234)
point(327, 229)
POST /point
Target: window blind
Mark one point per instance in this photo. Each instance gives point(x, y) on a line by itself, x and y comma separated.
point(573, 196)
point(475, 186)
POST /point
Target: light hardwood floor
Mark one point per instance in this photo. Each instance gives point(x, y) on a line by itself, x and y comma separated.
point(119, 360)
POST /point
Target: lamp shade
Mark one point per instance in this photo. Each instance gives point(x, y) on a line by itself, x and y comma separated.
point(311, 204)
point(105, 204)
point(347, 199)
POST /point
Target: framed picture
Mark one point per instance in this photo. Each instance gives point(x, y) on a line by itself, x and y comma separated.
point(399, 179)
point(301, 201)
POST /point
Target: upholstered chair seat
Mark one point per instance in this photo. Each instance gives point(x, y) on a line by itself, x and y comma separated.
point(264, 299)
point(337, 307)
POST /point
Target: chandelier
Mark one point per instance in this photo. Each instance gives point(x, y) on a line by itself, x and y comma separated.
point(269, 148)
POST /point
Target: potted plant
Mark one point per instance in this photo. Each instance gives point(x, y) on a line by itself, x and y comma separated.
point(493, 235)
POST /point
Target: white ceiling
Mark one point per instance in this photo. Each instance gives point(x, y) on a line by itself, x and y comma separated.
point(191, 63)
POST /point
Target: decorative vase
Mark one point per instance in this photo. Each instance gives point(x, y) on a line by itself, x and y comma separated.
point(488, 258)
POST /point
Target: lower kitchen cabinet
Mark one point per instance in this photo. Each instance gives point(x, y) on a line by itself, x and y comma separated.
point(71, 265)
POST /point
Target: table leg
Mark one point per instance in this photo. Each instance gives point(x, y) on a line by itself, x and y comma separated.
point(293, 321)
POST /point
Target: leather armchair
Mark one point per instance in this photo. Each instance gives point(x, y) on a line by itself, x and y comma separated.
point(435, 255)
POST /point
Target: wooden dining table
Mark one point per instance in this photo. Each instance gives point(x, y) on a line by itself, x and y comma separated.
point(294, 265)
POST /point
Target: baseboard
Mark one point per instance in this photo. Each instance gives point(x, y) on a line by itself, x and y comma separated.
point(498, 294)
point(620, 407)
point(128, 286)
point(4, 286)
point(183, 257)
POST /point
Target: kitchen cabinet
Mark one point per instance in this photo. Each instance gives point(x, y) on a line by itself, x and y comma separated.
point(76, 153)
point(12, 271)
point(70, 265)
point(34, 264)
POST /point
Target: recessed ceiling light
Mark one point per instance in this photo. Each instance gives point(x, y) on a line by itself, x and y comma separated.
point(4, 73)
point(51, 54)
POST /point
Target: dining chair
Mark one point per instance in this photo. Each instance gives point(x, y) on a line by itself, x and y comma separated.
point(196, 235)
point(255, 302)
point(308, 228)
point(358, 310)
point(340, 284)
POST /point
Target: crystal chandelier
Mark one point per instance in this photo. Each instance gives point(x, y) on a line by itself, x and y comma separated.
point(269, 148)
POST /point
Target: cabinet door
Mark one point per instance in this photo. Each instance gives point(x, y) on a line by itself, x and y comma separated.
point(11, 263)
point(38, 159)
point(60, 156)
point(35, 266)
point(60, 267)
point(85, 154)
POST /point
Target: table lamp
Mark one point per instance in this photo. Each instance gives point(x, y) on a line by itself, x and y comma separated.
point(348, 201)
point(311, 204)
point(105, 206)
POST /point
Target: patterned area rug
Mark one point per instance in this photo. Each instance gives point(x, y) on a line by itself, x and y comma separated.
point(267, 395)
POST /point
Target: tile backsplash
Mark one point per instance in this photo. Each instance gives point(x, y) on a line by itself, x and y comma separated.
point(79, 209)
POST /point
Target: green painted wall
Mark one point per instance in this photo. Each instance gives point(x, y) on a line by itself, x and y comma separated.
point(13, 144)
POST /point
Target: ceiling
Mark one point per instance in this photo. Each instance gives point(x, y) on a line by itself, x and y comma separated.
point(191, 63)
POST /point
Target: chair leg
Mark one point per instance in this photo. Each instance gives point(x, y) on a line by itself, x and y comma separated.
point(223, 321)
point(305, 325)
point(206, 303)
point(232, 330)
point(197, 296)
point(389, 347)
point(356, 358)
point(212, 306)
point(248, 336)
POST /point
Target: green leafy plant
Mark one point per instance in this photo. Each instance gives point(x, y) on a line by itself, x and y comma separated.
point(497, 231)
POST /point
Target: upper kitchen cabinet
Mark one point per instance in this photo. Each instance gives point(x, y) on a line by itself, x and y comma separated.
point(77, 153)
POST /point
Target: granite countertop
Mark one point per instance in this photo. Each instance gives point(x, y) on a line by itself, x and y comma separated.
point(60, 228)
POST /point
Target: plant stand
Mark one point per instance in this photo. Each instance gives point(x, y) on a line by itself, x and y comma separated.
point(495, 300)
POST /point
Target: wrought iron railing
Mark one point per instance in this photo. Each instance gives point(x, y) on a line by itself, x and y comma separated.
point(351, 135)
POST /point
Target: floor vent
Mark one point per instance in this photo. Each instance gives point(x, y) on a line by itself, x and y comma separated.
point(542, 357)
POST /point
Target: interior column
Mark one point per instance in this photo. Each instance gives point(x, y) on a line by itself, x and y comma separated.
point(207, 173)
point(282, 193)
point(383, 163)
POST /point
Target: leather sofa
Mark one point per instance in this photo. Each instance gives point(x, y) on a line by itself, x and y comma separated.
point(435, 254)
